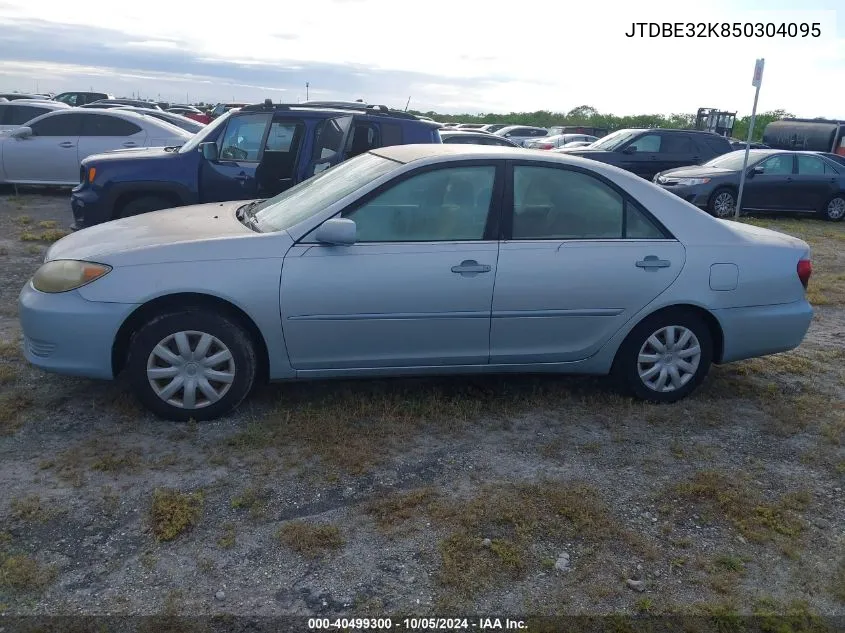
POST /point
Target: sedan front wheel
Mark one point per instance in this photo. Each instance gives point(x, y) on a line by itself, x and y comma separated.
point(665, 357)
point(191, 365)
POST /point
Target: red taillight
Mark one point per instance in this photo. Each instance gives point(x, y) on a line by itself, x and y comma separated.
point(805, 269)
point(545, 146)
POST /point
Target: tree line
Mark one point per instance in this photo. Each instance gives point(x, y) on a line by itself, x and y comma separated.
point(589, 116)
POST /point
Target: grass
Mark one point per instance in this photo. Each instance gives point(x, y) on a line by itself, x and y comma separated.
point(393, 510)
point(732, 498)
point(227, 539)
point(7, 374)
point(310, 539)
point(23, 220)
point(520, 519)
point(48, 235)
point(10, 350)
point(173, 512)
point(30, 509)
point(23, 573)
point(117, 462)
point(13, 406)
point(253, 499)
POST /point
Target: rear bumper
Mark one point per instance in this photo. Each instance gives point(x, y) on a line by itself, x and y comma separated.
point(761, 330)
point(67, 334)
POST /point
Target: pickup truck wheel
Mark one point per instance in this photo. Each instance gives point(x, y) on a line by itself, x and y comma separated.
point(144, 204)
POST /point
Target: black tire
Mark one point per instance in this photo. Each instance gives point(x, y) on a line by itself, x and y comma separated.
point(834, 209)
point(626, 366)
point(715, 203)
point(144, 204)
point(225, 330)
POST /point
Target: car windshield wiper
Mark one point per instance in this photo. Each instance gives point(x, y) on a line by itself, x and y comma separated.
point(246, 214)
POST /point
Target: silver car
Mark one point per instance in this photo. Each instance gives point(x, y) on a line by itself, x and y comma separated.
point(520, 134)
point(417, 260)
point(14, 114)
point(48, 149)
point(559, 140)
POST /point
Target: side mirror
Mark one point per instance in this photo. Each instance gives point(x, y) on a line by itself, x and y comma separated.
point(756, 171)
point(631, 149)
point(337, 232)
point(209, 151)
point(21, 132)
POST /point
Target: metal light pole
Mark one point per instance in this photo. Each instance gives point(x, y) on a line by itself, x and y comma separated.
point(307, 85)
point(757, 81)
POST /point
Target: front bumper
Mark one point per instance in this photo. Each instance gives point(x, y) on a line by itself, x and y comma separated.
point(67, 334)
point(695, 194)
point(761, 330)
point(88, 209)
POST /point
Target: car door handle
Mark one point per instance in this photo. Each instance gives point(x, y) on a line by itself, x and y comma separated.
point(788, 179)
point(66, 144)
point(471, 267)
point(130, 144)
point(652, 261)
point(242, 177)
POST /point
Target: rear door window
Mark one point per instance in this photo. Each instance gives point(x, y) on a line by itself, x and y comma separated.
point(107, 125)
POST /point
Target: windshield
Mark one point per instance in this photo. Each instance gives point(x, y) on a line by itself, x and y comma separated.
point(204, 133)
point(612, 141)
point(733, 160)
point(318, 192)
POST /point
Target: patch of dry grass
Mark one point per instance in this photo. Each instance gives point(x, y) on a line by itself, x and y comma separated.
point(13, 405)
point(393, 510)
point(730, 497)
point(173, 512)
point(23, 220)
point(48, 235)
point(253, 499)
point(11, 350)
point(311, 539)
point(23, 573)
point(8, 374)
point(30, 509)
point(521, 520)
point(226, 540)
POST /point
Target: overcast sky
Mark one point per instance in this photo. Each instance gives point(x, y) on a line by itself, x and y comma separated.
point(448, 56)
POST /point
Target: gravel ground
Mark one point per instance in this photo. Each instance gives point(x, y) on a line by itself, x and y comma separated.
point(515, 495)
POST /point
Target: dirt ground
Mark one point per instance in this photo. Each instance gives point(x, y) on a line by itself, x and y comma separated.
point(501, 496)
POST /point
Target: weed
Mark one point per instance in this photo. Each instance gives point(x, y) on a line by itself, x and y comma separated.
point(7, 374)
point(13, 405)
point(22, 573)
point(29, 509)
point(173, 512)
point(310, 539)
point(117, 462)
point(390, 511)
point(49, 235)
point(730, 562)
point(34, 249)
point(732, 497)
point(23, 220)
point(11, 350)
point(227, 539)
point(253, 499)
point(48, 224)
point(644, 605)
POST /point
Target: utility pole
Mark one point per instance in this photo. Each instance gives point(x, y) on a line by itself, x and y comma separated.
point(407, 103)
point(756, 82)
point(307, 85)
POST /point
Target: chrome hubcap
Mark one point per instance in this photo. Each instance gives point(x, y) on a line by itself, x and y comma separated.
point(836, 208)
point(190, 369)
point(669, 358)
point(724, 204)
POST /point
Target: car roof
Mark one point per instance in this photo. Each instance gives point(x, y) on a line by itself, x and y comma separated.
point(411, 153)
point(58, 105)
point(530, 127)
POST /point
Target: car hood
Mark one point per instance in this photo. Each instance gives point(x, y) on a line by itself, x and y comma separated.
point(697, 171)
point(194, 233)
point(144, 153)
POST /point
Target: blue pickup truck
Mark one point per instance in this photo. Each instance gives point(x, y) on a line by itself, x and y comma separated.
point(256, 151)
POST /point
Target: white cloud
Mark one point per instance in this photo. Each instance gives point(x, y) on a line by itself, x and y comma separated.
point(576, 54)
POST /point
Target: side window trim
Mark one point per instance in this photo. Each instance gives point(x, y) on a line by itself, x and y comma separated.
point(494, 215)
point(506, 232)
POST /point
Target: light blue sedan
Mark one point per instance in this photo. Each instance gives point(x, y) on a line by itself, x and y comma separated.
point(415, 260)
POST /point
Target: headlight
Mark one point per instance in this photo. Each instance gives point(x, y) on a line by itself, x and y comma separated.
point(61, 275)
point(688, 181)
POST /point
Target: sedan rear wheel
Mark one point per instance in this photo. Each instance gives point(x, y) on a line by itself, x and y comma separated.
point(665, 357)
point(835, 209)
point(190, 365)
point(723, 203)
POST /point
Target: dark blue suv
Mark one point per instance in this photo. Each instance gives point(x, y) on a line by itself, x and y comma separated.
point(257, 151)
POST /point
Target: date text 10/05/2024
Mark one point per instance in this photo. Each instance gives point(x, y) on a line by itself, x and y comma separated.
point(724, 29)
point(415, 624)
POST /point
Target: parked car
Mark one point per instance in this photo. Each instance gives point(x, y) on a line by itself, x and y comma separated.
point(649, 151)
point(573, 144)
point(112, 103)
point(255, 152)
point(473, 137)
point(14, 96)
point(48, 149)
point(105, 105)
point(589, 130)
point(179, 121)
point(471, 126)
point(222, 108)
point(191, 112)
point(521, 133)
point(776, 180)
point(15, 113)
point(493, 127)
point(559, 140)
point(81, 98)
point(396, 263)
point(837, 158)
